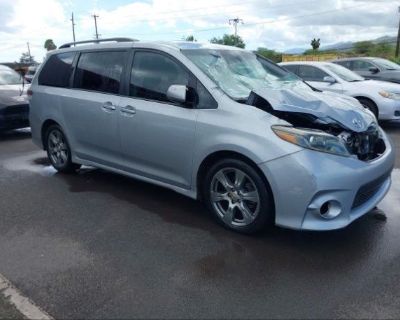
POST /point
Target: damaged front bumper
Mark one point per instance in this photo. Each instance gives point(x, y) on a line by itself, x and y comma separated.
point(320, 191)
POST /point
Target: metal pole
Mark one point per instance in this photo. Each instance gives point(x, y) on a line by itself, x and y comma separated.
point(398, 40)
point(95, 25)
point(73, 26)
point(29, 51)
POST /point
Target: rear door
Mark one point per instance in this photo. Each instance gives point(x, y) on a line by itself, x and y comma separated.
point(91, 111)
point(157, 136)
point(315, 77)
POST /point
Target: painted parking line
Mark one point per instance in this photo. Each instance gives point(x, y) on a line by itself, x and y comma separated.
point(23, 304)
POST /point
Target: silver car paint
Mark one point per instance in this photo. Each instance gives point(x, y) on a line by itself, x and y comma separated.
point(170, 150)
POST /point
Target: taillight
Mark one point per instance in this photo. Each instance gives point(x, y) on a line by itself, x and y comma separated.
point(29, 92)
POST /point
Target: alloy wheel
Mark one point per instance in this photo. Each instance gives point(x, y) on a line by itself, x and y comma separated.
point(235, 197)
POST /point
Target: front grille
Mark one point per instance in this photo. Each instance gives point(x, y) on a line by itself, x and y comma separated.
point(367, 191)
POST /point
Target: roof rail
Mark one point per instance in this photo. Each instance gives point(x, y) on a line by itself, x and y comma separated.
point(68, 45)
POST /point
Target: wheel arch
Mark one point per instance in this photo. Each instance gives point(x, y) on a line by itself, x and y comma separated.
point(46, 124)
point(363, 97)
point(215, 156)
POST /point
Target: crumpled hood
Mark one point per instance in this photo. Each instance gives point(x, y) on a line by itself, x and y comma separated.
point(329, 107)
point(11, 95)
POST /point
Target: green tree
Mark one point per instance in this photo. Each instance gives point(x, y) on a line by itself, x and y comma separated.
point(190, 38)
point(363, 47)
point(49, 45)
point(315, 43)
point(230, 40)
point(26, 58)
point(270, 54)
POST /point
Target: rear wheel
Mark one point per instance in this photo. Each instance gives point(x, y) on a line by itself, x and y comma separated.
point(59, 151)
point(237, 196)
point(370, 105)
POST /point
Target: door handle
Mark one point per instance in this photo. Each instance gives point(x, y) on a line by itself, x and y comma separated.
point(128, 110)
point(108, 106)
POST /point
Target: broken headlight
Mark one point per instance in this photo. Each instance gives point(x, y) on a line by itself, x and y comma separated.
point(312, 139)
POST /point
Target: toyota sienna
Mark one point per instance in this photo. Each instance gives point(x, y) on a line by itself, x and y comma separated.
point(215, 123)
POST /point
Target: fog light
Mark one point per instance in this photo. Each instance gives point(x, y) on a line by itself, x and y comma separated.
point(330, 209)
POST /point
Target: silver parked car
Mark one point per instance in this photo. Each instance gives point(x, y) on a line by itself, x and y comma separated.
point(215, 123)
point(14, 106)
point(382, 98)
point(372, 68)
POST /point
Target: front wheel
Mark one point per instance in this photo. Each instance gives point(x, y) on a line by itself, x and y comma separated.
point(59, 151)
point(237, 196)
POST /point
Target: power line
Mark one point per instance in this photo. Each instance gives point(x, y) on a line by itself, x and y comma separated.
point(253, 23)
point(214, 13)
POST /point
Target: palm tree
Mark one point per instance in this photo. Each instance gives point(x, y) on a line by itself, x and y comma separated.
point(315, 43)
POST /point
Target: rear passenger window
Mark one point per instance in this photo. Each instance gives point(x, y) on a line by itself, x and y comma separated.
point(152, 75)
point(100, 71)
point(57, 70)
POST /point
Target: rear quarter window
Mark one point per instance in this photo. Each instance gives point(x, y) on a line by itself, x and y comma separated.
point(57, 70)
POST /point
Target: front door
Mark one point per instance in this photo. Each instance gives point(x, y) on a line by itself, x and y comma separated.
point(315, 77)
point(157, 136)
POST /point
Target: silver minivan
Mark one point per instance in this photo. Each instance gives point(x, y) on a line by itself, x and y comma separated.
point(215, 123)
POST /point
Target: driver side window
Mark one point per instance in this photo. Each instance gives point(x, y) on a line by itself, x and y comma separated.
point(360, 65)
point(152, 75)
point(311, 73)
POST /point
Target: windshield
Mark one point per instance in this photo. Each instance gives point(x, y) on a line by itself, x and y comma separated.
point(343, 73)
point(9, 76)
point(238, 72)
point(386, 64)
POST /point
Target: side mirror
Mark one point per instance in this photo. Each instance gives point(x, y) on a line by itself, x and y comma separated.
point(177, 93)
point(373, 70)
point(329, 79)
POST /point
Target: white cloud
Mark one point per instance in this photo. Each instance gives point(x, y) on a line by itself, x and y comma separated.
point(277, 24)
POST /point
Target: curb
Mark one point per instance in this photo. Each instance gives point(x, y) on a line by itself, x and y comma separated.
point(23, 304)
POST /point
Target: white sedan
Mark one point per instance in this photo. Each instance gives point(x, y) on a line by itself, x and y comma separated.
point(382, 98)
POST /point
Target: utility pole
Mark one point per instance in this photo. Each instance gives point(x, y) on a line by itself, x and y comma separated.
point(398, 40)
point(95, 25)
point(73, 26)
point(235, 22)
point(29, 52)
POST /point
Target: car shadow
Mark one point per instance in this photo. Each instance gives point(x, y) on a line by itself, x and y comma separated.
point(345, 246)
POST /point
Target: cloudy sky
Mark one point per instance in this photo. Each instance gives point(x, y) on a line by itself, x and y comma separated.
point(275, 24)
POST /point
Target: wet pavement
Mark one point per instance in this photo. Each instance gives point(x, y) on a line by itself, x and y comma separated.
point(99, 245)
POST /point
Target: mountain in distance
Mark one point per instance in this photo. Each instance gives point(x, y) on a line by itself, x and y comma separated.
point(342, 45)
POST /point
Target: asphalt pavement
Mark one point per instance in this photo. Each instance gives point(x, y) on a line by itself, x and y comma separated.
point(99, 245)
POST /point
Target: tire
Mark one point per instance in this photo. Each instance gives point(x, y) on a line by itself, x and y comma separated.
point(237, 196)
point(370, 105)
point(59, 151)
